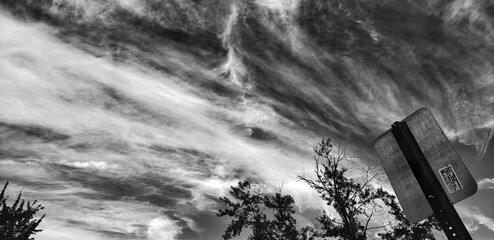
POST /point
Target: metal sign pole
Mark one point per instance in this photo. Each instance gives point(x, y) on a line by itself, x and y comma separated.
point(444, 211)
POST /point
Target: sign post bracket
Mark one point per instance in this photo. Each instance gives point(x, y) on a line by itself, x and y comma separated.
point(444, 211)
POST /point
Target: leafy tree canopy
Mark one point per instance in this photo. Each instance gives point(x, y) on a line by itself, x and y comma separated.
point(17, 221)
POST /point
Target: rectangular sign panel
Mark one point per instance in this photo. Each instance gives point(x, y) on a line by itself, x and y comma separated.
point(448, 167)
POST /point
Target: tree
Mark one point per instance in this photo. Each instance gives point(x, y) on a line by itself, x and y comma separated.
point(248, 210)
point(356, 202)
point(17, 223)
point(349, 198)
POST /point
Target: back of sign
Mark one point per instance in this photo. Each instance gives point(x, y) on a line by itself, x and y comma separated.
point(448, 167)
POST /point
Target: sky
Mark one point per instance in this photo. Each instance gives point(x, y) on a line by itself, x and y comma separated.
point(129, 119)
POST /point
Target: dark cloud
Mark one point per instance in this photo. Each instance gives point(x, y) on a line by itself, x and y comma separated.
point(29, 132)
point(155, 189)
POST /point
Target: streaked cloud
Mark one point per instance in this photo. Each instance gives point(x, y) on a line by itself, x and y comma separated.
point(109, 137)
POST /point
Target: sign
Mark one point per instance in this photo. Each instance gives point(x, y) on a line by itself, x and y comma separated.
point(449, 169)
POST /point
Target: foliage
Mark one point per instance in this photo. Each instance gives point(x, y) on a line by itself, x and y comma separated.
point(355, 202)
point(248, 211)
point(352, 201)
point(17, 223)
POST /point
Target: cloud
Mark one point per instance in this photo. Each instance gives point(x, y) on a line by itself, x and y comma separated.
point(486, 183)
point(289, 5)
point(473, 218)
point(162, 228)
point(90, 164)
point(53, 229)
point(72, 212)
point(132, 137)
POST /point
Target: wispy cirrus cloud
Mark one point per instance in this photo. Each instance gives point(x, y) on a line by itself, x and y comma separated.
point(99, 142)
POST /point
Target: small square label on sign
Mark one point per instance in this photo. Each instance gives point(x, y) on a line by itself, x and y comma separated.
point(450, 179)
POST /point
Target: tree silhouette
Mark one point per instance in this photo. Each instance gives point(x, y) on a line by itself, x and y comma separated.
point(355, 202)
point(16, 222)
point(352, 200)
point(248, 210)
